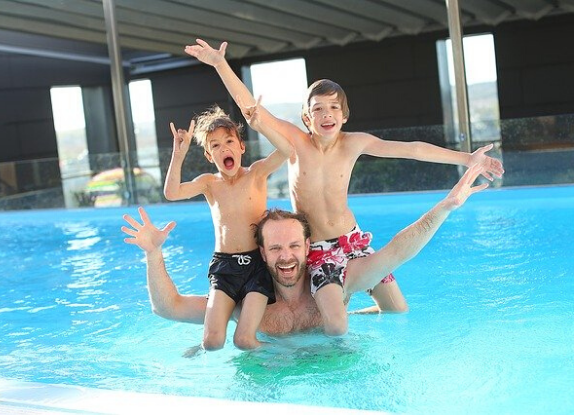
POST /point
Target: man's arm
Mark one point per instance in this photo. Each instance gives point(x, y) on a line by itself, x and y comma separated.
point(365, 273)
point(165, 299)
point(236, 88)
point(418, 150)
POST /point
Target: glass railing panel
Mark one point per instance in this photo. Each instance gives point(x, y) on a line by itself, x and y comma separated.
point(535, 151)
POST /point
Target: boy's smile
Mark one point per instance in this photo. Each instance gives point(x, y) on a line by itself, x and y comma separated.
point(325, 115)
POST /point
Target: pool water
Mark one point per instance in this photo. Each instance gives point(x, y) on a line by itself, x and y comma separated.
point(490, 328)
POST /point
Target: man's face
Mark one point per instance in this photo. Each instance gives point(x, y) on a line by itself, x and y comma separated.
point(325, 115)
point(285, 250)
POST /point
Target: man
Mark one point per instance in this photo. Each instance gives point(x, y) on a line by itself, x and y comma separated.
point(284, 241)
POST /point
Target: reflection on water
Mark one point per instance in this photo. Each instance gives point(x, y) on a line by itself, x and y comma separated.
point(491, 300)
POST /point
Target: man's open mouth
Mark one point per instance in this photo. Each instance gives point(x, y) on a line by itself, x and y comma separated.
point(287, 268)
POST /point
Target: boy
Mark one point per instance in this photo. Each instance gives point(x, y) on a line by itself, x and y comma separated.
point(237, 197)
point(319, 174)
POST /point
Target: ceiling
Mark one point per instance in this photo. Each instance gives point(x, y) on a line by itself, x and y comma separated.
point(153, 33)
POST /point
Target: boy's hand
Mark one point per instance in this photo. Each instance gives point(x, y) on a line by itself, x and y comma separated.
point(182, 138)
point(250, 112)
point(490, 165)
point(463, 189)
point(206, 53)
point(146, 235)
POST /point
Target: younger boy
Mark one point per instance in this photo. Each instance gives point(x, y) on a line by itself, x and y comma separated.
point(319, 173)
point(237, 197)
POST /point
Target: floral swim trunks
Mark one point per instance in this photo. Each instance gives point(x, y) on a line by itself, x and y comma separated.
point(327, 260)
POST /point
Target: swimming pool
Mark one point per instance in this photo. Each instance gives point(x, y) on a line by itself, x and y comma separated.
point(490, 328)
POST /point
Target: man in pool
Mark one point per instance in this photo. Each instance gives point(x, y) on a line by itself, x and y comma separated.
point(283, 238)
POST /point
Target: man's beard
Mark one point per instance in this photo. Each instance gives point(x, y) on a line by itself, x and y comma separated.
point(302, 269)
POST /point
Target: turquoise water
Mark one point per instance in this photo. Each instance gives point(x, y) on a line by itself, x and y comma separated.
point(490, 329)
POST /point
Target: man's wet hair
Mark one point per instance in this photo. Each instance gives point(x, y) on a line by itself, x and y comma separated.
point(276, 214)
point(212, 119)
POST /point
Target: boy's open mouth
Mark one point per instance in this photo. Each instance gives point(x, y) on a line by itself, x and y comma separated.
point(228, 162)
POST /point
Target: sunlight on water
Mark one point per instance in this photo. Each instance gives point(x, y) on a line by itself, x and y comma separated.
point(490, 326)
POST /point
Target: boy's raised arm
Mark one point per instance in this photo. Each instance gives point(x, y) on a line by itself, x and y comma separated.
point(173, 188)
point(236, 88)
point(251, 113)
point(216, 58)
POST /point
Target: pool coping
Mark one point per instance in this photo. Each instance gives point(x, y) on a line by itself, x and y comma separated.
point(19, 397)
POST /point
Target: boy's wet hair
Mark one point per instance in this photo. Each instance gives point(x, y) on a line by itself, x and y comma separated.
point(326, 87)
point(276, 215)
point(212, 119)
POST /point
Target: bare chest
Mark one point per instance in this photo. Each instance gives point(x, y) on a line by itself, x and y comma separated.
point(316, 171)
point(280, 319)
point(245, 194)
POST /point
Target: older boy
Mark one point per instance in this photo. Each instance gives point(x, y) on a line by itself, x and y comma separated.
point(237, 197)
point(319, 174)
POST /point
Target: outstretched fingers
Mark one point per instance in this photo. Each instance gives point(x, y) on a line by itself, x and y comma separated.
point(169, 227)
point(173, 130)
point(134, 223)
point(202, 43)
point(248, 111)
point(471, 175)
point(486, 148)
point(133, 231)
point(223, 48)
point(478, 188)
point(496, 167)
point(144, 216)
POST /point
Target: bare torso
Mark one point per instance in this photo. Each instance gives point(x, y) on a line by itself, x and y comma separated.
point(319, 181)
point(296, 315)
point(236, 205)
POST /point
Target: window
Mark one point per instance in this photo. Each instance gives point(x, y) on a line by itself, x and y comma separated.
point(282, 85)
point(70, 126)
point(141, 102)
point(480, 63)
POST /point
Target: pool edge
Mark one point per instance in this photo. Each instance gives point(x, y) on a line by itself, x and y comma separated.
point(70, 399)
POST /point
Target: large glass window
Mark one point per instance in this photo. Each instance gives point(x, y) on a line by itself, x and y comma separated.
point(282, 85)
point(70, 126)
point(480, 63)
point(141, 101)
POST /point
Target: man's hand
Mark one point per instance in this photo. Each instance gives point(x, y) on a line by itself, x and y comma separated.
point(182, 138)
point(490, 165)
point(205, 53)
point(146, 235)
point(463, 189)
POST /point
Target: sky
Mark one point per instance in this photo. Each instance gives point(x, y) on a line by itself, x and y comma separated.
point(281, 81)
point(479, 59)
